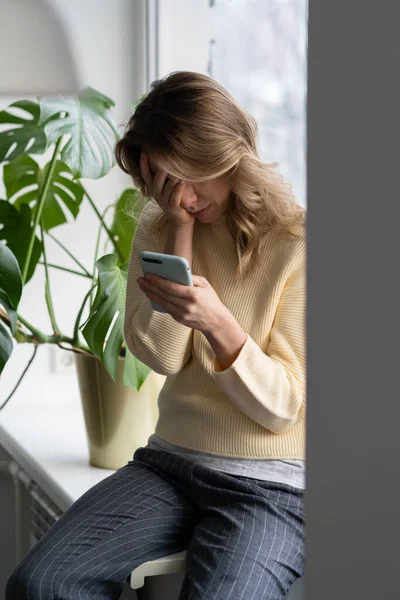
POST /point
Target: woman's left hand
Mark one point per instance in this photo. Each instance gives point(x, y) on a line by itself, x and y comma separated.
point(198, 307)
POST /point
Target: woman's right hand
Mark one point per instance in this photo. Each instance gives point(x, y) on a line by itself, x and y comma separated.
point(167, 195)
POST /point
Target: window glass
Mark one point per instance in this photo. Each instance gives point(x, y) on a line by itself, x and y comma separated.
point(257, 50)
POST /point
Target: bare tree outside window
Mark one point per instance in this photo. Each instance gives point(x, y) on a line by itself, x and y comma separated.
point(258, 51)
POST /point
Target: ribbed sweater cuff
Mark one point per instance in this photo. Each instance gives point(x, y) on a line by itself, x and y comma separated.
point(259, 387)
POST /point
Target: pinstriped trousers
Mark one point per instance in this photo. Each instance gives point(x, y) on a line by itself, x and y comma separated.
point(245, 537)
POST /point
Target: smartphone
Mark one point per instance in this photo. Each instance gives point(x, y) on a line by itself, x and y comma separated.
point(171, 267)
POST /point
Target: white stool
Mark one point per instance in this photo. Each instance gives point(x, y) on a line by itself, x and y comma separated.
point(175, 563)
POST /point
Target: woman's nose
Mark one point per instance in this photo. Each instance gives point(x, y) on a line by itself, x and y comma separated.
point(189, 196)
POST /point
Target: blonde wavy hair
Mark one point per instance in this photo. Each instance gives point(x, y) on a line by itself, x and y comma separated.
point(195, 131)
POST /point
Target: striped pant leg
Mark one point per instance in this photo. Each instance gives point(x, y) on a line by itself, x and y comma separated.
point(249, 544)
point(130, 517)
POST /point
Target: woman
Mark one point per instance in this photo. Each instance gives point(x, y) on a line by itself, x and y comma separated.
point(223, 475)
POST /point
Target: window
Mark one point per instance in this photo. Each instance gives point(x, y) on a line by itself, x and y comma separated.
point(257, 50)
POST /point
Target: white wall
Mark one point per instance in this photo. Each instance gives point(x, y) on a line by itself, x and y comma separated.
point(106, 41)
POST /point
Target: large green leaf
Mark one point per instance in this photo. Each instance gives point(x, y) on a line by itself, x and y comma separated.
point(10, 294)
point(135, 372)
point(21, 133)
point(6, 346)
point(108, 309)
point(10, 283)
point(24, 180)
point(124, 225)
point(16, 229)
point(86, 118)
point(103, 330)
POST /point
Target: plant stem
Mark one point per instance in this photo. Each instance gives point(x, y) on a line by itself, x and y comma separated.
point(110, 235)
point(21, 378)
point(75, 338)
point(39, 335)
point(88, 276)
point(49, 300)
point(20, 336)
point(39, 209)
point(69, 254)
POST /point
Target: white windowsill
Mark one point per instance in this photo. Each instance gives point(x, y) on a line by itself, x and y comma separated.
point(48, 440)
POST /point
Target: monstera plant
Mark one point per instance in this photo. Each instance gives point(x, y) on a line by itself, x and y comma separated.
point(79, 134)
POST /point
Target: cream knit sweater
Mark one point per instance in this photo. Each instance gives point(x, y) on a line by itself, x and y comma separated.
point(256, 407)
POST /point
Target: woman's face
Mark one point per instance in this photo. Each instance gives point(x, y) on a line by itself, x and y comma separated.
point(211, 197)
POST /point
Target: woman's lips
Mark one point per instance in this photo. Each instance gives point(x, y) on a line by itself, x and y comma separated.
point(199, 211)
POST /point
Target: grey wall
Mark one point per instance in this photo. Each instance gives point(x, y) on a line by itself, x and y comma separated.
point(353, 417)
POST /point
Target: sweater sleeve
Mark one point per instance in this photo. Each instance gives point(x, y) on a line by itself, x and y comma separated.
point(155, 338)
point(270, 387)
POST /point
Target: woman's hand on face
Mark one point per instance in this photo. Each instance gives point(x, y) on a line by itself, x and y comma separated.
point(168, 194)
